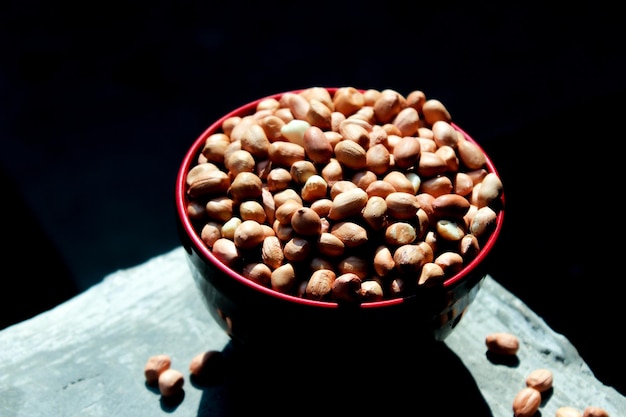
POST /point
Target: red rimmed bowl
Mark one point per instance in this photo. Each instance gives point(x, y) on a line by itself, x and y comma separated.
point(252, 313)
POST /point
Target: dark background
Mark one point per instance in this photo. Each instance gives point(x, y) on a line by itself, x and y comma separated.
point(100, 101)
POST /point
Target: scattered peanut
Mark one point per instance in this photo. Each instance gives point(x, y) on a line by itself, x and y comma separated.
point(320, 177)
point(526, 402)
point(567, 411)
point(502, 343)
point(207, 366)
point(593, 411)
point(155, 366)
point(171, 382)
point(540, 379)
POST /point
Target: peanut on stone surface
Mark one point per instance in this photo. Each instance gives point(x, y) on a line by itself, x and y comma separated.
point(171, 382)
point(526, 402)
point(502, 343)
point(324, 177)
point(155, 366)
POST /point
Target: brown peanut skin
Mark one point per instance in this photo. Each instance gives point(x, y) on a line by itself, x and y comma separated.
point(155, 366)
point(593, 411)
point(171, 382)
point(526, 402)
point(540, 379)
point(502, 343)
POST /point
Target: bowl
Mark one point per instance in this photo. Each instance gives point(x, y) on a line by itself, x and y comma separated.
point(254, 313)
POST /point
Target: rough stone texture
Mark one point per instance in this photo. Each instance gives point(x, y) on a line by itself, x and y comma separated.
point(86, 357)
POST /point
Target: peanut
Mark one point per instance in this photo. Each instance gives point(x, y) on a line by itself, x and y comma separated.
point(155, 366)
point(567, 411)
point(171, 382)
point(540, 379)
point(526, 402)
point(502, 343)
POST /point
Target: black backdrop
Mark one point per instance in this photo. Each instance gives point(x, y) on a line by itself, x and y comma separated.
point(100, 101)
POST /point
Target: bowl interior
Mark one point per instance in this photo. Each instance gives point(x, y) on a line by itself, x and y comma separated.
point(188, 228)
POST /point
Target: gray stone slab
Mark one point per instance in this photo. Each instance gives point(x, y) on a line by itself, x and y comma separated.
point(86, 357)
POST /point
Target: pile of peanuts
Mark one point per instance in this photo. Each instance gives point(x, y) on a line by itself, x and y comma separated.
point(528, 400)
point(344, 195)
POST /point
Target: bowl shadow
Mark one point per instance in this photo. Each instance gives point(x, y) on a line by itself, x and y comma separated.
point(391, 378)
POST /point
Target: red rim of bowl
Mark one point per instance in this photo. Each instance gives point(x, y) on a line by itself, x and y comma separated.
point(190, 160)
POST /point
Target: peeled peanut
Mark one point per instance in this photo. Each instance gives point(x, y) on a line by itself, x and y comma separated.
point(305, 221)
point(401, 205)
point(502, 343)
point(346, 288)
point(320, 284)
point(431, 164)
point(371, 291)
point(272, 252)
point(431, 275)
point(482, 221)
point(444, 134)
point(301, 171)
point(407, 120)
point(258, 272)
point(434, 110)
point(348, 100)
point(451, 262)
point(283, 278)
point(155, 366)
point(252, 210)
point(449, 230)
point(409, 258)
point(437, 186)
point(540, 379)
point(210, 182)
point(400, 233)
point(357, 265)
point(278, 179)
point(351, 154)
point(407, 151)
point(526, 402)
point(388, 105)
point(171, 382)
point(399, 181)
point(318, 115)
point(330, 245)
point(490, 190)
point(297, 249)
point(283, 154)
point(255, 141)
point(246, 185)
point(593, 411)
point(215, 146)
point(219, 208)
point(226, 251)
point(471, 155)
point(249, 234)
point(293, 131)
point(350, 233)
point(567, 411)
point(314, 189)
point(374, 212)
point(380, 188)
point(383, 261)
point(348, 203)
point(210, 232)
point(450, 206)
point(378, 158)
